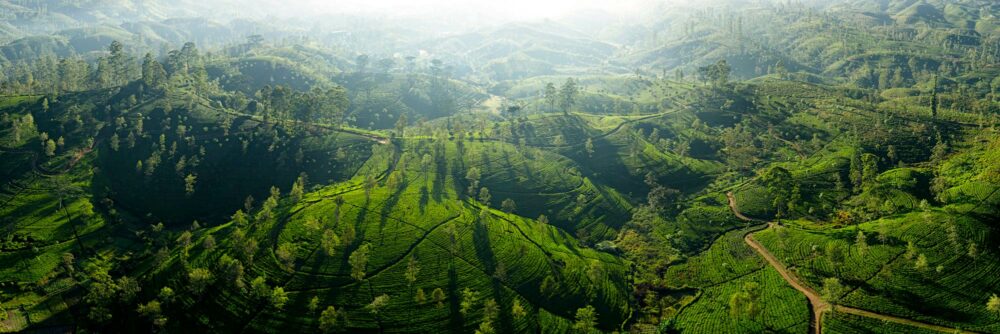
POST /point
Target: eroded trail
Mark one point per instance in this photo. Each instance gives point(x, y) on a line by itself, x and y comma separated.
point(817, 304)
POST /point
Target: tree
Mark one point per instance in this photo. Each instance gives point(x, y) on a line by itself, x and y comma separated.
point(834, 251)
point(279, 298)
point(420, 297)
point(551, 95)
point(717, 74)
point(234, 271)
point(934, 99)
point(358, 261)
point(347, 237)
point(861, 242)
point(328, 319)
point(286, 253)
point(412, 269)
point(240, 219)
point(259, 288)
point(117, 63)
point(329, 242)
point(589, 147)
point(911, 250)
point(485, 327)
point(313, 304)
point(377, 304)
point(184, 240)
point(166, 294)
point(469, 299)
point(586, 320)
point(153, 73)
point(855, 174)
point(508, 206)
point(548, 286)
point(869, 169)
point(939, 152)
point(298, 188)
point(209, 242)
point(153, 311)
point(543, 219)
point(473, 176)
point(567, 95)
point(189, 182)
point(491, 310)
point(438, 296)
point(921, 263)
point(199, 279)
point(517, 310)
point(50, 147)
point(993, 305)
point(781, 186)
point(484, 196)
point(128, 289)
point(832, 289)
point(67, 262)
point(115, 142)
point(401, 125)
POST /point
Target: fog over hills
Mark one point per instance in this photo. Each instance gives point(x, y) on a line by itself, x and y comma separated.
point(433, 166)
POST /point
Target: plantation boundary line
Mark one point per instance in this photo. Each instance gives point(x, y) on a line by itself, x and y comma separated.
point(381, 269)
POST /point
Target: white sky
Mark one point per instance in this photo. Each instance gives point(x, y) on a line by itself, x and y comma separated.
point(511, 9)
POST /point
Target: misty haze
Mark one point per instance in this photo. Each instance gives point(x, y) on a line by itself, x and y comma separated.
point(519, 166)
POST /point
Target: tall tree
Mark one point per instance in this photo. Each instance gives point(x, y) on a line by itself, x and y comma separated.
point(329, 242)
point(153, 74)
point(359, 261)
point(279, 298)
point(551, 95)
point(198, 280)
point(328, 320)
point(438, 296)
point(412, 269)
point(567, 95)
point(586, 320)
point(469, 300)
point(993, 304)
point(717, 74)
point(832, 289)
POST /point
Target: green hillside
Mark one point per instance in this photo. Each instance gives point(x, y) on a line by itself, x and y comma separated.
point(723, 166)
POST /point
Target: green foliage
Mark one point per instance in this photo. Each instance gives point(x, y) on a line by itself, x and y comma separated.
point(586, 320)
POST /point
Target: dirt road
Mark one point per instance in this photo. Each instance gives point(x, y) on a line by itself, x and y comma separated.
point(816, 303)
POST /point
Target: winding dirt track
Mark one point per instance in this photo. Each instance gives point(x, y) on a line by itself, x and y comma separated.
point(817, 304)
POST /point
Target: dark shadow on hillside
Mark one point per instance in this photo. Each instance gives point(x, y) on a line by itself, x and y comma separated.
point(440, 175)
point(359, 232)
point(424, 199)
point(484, 252)
point(486, 164)
point(389, 204)
point(458, 174)
point(454, 313)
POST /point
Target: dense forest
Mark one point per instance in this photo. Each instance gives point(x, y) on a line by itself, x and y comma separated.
point(723, 166)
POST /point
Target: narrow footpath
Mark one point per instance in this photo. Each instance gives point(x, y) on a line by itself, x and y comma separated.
point(817, 305)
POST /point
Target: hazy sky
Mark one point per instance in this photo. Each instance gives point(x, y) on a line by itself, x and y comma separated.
point(510, 9)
